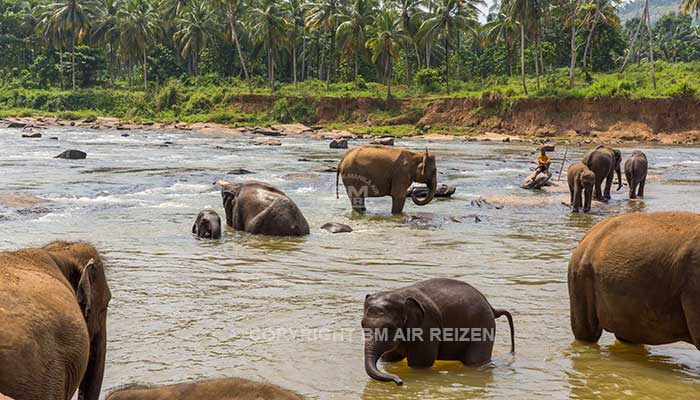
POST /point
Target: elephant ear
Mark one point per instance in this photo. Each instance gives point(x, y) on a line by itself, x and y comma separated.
point(413, 312)
point(84, 291)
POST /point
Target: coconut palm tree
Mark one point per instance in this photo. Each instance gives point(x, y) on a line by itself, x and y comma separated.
point(105, 30)
point(70, 21)
point(409, 23)
point(526, 14)
point(268, 24)
point(598, 12)
point(351, 34)
point(689, 6)
point(196, 27)
point(233, 11)
point(139, 27)
point(385, 42)
point(323, 14)
point(502, 28)
point(446, 19)
point(295, 18)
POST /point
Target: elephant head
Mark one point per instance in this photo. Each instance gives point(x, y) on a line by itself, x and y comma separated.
point(83, 268)
point(586, 182)
point(384, 315)
point(425, 171)
point(617, 161)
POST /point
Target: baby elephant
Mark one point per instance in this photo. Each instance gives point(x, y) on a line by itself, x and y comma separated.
point(207, 225)
point(636, 173)
point(581, 183)
point(216, 389)
point(438, 319)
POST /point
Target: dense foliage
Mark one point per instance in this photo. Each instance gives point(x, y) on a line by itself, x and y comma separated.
point(427, 46)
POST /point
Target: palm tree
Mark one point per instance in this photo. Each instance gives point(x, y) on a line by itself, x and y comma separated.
point(385, 43)
point(139, 26)
point(196, 27)
point(598, 12)
point(68, 20)
point(105, 30)
point(323, 14)
point(295, 15)
point(409, 17)
point(268, 27)
point(352, 35)
point(233, 10)
point(447, 19)
point(526, 13)
point(501, 28)
point(689, 6)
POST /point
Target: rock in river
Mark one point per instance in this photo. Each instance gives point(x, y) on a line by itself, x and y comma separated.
point(336, 227)
point(339, 143)
point(240, 171)
point(72, 155)
point(31, 135)
point(383, 141)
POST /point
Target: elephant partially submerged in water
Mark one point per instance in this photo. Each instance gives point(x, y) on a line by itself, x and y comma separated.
point(638, 276)
point(378, 171)
point(53, 315)
point(259, 208)
point(215, 389)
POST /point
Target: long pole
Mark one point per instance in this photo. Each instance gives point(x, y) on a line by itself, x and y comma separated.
point(562, 163)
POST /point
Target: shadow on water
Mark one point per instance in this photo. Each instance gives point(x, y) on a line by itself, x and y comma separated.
point(618, 370)
point(445, 380)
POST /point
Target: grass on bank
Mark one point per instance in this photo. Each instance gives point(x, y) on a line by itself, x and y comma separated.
point(210, 99)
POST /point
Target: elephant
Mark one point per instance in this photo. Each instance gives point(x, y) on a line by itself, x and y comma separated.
point(207, 225)
point(636, 173)
point(436, 309)
point(215, 389)
point(604, 162)
point(638, 276)
point(53, 315)
point(581, 181)
point(378, 171)
point(258, 208)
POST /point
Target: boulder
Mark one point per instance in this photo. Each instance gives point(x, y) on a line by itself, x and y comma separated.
point(340, 143)
point(72, 155)
point(20, 201)
point(388, 141)
point(240, 171)
point(326, 168)
point(17, 125)
point(31, 135)
point(267, 131)
point(536, 180)
point(267, 142)
point(301, 177)
point(442, 191)
point(336, 227)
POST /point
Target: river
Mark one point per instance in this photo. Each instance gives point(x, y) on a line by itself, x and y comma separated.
point(288, 311)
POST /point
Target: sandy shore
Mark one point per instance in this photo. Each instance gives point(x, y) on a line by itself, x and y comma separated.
point(29, 125)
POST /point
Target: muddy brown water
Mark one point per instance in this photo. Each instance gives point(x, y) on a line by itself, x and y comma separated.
point(288, 311)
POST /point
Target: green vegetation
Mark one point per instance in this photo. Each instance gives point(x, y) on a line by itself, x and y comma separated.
point(191, 61)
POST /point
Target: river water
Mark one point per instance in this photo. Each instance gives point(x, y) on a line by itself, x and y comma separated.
point(288, 311)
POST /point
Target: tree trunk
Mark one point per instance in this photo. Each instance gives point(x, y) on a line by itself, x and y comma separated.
point(651, 44)
point(447, 64)
point(145, 70)
point(417, 54)
point(537, 66)
point(234, 37)
point(72, 62)
point(303, 57)
point(356, 69)
point(634, 41)
point(572, 67)
point(522, 57)
point(588, 46)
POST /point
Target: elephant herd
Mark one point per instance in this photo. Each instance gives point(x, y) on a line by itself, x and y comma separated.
point(601, 164)
point(631, 275)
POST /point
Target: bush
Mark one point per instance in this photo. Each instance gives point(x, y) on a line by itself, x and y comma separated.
point(168, 95)
point(198, 103)
point(300, 110)
point(427, 80)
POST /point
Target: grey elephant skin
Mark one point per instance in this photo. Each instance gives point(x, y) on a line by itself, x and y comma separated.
point(604, 162)
point(258, 208)
point(215, 389)
point(378, 171)
point(435, 304)
point(581, 182)
point(53, 312)
point(636, 173)
point(638, 276)
point(207, 225)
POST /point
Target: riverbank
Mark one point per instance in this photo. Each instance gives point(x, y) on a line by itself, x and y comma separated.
point(489, 118)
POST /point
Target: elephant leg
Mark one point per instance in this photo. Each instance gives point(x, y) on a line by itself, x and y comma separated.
point(477, 353)
point(578, 198)
point(357, 201)
point(597, 190)
point(633, 190)
point(423, 356)
point(393, 356)
point(623, 340)
point(608, 185)
point(640, 193)
point(584, 320)
point(571, 192)
point(397, 203)
point(691, 304)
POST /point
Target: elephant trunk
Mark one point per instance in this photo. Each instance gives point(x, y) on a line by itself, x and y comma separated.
point(91, 385)
point(587, 196)
point(432, 188)
point(619, 176)
point(373, 351)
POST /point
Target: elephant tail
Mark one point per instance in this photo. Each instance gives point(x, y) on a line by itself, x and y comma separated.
point(499, 313)
point(337, 174)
